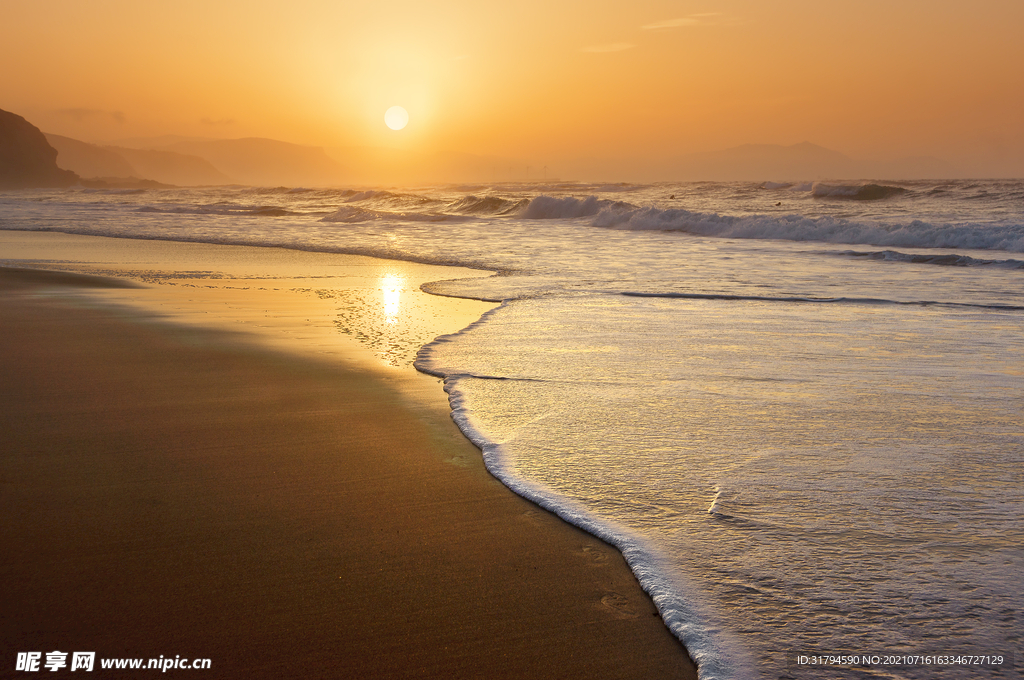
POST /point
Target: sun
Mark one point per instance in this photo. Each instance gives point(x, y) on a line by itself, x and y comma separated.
point(396, 117)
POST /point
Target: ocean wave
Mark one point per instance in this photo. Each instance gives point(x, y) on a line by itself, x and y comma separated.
point(220, 209)
point(915, 234)
point(614, 188)
point(554, 187)
point(291, 192)
point(351, 214)
point(382, 199)
point(365, 195)
point(486, 205)
point(856, 192)
point(951, 260)
point(551, 207)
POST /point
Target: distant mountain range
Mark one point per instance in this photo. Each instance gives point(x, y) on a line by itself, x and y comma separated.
point(266, 162)
point(767, 162)
point(804, 161)
point(758, 163)
point(192, 161)
point(116, 162)
point(376, 165)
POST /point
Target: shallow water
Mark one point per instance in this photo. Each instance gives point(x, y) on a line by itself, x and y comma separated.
point(800, 423)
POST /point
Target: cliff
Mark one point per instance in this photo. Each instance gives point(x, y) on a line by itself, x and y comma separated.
point(26, 158)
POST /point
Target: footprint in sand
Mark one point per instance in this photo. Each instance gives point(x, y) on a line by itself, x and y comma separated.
point(595, 555)
point(620, 606)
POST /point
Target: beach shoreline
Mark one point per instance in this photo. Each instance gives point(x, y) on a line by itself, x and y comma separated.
point(173, 488)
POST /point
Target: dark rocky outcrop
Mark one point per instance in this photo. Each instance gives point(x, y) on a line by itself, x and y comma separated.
point(26, 159)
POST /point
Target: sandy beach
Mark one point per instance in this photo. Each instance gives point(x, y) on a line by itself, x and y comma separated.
point(213, 490)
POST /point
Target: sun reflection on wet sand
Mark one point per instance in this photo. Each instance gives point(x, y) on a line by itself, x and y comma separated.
point(292, 300)
point(391, 285)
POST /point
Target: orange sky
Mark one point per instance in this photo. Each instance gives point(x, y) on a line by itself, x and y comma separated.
point(540, 80)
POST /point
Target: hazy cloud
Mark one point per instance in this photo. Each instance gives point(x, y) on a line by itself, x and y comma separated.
point(610, 47)
point(218, 121)
point(692, 20)
point(82, 115)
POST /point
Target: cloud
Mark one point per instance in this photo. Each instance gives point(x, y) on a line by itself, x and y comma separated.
point(219, 121)
point(671, 23)
point(692, 20)
point(610, 47)
point(81, 115)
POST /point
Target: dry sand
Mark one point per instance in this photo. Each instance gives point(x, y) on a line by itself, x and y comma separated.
point(171, 489)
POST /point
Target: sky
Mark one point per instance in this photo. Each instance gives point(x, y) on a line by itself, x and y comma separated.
point(540, 80)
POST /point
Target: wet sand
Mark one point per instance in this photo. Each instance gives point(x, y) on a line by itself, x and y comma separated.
point(173, 489)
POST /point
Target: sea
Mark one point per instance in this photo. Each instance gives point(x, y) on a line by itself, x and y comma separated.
point(796, 408)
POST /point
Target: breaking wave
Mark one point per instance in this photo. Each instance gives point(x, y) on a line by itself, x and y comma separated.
point(553, 208)
point(914, 234)
point(394, 200)
point(611, 214)
point(487, 205)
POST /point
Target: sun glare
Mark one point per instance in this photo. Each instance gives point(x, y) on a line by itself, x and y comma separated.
point(391, 285)
point(396, 117)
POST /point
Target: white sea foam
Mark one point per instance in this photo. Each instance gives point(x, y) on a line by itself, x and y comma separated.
point(715, 508)
point(718, 655)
